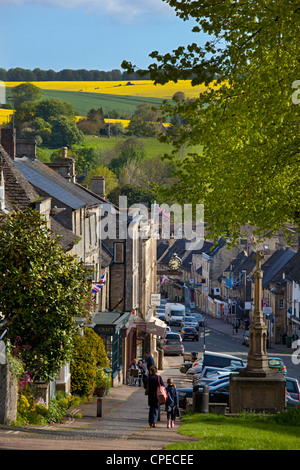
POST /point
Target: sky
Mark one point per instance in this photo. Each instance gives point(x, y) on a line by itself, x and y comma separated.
point(88, 34)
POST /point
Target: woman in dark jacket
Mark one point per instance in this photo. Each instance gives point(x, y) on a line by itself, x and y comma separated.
point(172, 403)
point(152, 395)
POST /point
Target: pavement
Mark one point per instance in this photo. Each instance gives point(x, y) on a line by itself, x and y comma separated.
point(123, 424)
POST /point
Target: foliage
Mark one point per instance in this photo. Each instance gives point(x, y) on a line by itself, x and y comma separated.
point(130, 150)
point(134, 194)
point(103, 379)
point(64, 132)
point(16, 366)
point(32, 412)
point(93, 123)
point(144, 121)
point(26, 92)
point(51, 120)
point(20, 74)
point(42, 291)
point(247, 121)
point(89, 353)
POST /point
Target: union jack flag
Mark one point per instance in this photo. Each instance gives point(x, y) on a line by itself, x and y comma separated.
point(98, 286)
point(160, 211)
point(163, 279)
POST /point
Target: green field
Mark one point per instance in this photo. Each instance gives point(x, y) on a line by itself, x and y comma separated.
point(152, 146)
point(83, 102)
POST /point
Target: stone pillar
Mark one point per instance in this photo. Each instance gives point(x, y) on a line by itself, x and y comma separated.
point(257, 357)
point(257, 387)
point(8, 395)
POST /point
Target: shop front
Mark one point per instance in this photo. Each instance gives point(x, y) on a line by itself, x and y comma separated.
point(109, 326)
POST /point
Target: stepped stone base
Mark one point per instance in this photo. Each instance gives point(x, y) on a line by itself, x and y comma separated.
point(258, 391)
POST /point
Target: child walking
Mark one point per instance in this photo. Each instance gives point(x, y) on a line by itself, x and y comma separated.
point(172, 403)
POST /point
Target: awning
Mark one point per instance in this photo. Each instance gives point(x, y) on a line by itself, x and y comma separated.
point(150, 328)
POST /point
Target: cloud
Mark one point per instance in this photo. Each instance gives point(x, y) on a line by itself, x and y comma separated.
point(120, 10)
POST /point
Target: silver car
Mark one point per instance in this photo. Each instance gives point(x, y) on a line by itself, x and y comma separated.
point(172, 344)
point(190, 322)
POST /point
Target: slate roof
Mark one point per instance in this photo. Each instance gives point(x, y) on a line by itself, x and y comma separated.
point(47, 180)
point(276, 264)
point(291, 271)
point(19, 193)
point(179, 247)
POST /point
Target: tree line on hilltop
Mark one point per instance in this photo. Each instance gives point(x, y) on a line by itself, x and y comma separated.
point(19, 74)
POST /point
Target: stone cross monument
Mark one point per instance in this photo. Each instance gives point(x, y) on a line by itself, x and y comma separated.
point(257, 387)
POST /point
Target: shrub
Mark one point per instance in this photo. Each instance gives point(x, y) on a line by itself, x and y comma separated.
point(89, 353)
point(31, 412)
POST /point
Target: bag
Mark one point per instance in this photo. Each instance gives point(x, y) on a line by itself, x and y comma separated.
point(162, 394)
point(177, 411)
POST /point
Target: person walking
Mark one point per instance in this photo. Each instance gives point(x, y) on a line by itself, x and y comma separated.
point(153, 381)
point(172, 403)
point(149, 361)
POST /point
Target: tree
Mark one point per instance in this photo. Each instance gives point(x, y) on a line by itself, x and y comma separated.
point(64, 132)
point(42, 291)
point(144, 121)
point(93, 122)
point(130, 150)
point(54, 108)
point(26, 92)
point(247, 120)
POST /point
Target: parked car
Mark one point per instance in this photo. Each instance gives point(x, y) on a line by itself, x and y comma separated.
point(189, 333)
point(293, 387)
point(216, 360)
point(246, 338)
point(189, 321)
point(211, 374)
point(185, 366)
point(160, 310)
point(218, 393)
point(199, 317)
point(277, 364)
point(172, 344)
point(291, 402)
point(160, 316)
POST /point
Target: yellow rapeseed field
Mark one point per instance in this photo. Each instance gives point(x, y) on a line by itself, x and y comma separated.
point(5, 115)
point(132, 88)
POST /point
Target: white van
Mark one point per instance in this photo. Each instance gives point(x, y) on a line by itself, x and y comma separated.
point(174, 313)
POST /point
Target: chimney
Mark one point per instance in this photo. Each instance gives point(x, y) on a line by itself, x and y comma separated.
point(8, 141)
point(64, 152)
point(26, 148)
point(98, 185)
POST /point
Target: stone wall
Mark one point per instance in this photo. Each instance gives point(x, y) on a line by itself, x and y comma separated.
point(8, 395)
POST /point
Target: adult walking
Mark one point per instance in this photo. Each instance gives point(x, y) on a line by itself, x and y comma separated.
point(153, 382)
point(149, 361)
point(172, 403)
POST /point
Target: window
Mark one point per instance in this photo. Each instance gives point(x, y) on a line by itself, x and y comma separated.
point(118, 252)
point(281, 303)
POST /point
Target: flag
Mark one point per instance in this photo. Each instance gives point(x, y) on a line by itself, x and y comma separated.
point(98, 286)
point(159, 211)
point(163, 279)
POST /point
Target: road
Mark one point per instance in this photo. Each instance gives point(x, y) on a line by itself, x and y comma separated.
point(222, 343)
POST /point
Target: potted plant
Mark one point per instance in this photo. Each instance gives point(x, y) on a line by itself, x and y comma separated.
point(103, 382)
